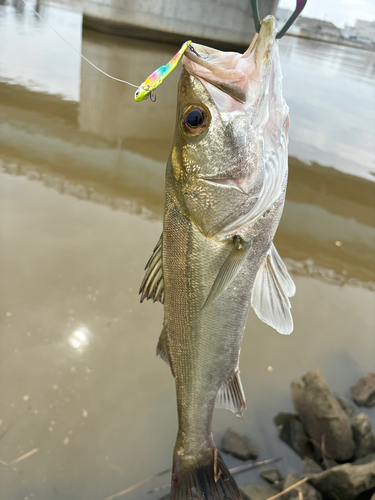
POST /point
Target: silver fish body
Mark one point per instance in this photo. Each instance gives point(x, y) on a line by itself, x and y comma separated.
point(225, 190)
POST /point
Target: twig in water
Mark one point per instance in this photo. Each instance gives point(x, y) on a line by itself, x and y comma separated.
point(26, 455)
point(138, 485)
point(242, 468)
point(300, 495)
point(290, 488)
point(324, 455)
point(322, 447)
point(8, 465)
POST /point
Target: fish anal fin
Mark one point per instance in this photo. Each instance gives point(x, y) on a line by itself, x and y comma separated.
point(229, 270)
point(269, 297)
point(231, 395)
point(152, 286)
point(161, 348)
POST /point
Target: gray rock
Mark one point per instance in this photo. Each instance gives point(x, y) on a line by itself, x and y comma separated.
point(347, 406)
point(346, 481)
point(238, 446)
point(322, 415)
point(252, 492)
point(310, 467)
point(308, 491)
point(293, 433)
point(363, 436)
point(272, 476)
point(363, 392)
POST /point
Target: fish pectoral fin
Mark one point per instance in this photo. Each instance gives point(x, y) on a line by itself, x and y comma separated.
point(231, 395)
point(152, 286)
point(269, 298)
point(286, 282)
point(161, 348)
point(229, 269)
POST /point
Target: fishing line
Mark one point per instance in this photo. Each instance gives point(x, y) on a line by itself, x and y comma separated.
point(75, 50)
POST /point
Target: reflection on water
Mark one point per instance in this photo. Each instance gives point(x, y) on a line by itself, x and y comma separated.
point(82, 179)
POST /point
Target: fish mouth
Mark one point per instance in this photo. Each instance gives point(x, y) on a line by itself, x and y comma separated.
point(230, 72)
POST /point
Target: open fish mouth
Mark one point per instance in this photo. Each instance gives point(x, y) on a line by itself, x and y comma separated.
point(227, 74)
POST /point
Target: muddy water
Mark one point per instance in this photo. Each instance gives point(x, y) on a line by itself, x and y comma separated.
point(81, 183)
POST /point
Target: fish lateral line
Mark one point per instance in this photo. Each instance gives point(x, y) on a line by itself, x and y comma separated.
point(146, 89)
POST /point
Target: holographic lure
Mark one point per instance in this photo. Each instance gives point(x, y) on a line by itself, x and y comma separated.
point(156, 78)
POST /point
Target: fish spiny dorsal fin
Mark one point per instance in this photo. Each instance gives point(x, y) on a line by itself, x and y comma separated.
point(231, 395)
point(161, 348)
point(229, 269)
point(271, 290)
point(152, 286)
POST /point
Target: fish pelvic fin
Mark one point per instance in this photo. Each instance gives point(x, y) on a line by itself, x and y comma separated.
point(231, 395)
point(209, 481)
point(229, 269)
point(272, 287)
point(152, 286)
point(161, 348)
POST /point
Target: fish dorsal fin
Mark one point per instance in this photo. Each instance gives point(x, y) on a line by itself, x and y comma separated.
point(152, 286)
point(161, 348)
point(231, 395)
point(271, 290)
point(229, 269)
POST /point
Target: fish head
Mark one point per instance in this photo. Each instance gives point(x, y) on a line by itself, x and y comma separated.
point(231, 119)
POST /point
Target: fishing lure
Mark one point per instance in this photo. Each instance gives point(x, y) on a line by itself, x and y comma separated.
point(156, 78)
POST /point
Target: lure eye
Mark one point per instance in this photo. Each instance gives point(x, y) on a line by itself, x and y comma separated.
point(194, 120)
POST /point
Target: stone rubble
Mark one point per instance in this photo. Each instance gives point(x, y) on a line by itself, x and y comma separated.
point(363, 436)
point(324, 419)
point(324, 432)
point(363, 392)
point(238, 446)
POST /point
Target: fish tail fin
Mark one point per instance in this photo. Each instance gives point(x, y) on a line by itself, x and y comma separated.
point(202, 482)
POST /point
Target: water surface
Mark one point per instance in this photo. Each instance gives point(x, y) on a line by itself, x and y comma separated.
point(82, 179)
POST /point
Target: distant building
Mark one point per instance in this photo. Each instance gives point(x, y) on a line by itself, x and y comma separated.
point(317, 27)
point(349, 32)
point(365, 31)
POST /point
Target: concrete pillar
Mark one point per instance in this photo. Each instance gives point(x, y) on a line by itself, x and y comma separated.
point(223, 23)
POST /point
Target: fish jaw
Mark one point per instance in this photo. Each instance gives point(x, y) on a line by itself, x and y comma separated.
point(217, 175)
point(237, 168)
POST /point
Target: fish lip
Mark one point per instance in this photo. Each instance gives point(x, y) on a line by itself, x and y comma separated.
point(231, 72)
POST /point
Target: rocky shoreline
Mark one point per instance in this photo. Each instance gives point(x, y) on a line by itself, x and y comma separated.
point(336, 445)
point(335, 442)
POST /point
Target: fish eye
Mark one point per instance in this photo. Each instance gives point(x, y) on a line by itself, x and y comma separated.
point(194, 120)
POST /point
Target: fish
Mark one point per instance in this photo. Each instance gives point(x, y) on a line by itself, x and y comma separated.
point(159, 75)
point(225, 187)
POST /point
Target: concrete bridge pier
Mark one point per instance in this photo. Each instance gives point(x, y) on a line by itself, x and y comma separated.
point(221, 23)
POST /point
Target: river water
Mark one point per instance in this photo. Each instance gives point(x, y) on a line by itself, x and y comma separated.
point(82, 179)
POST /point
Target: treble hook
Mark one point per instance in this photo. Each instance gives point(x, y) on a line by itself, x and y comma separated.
point(299, 8)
